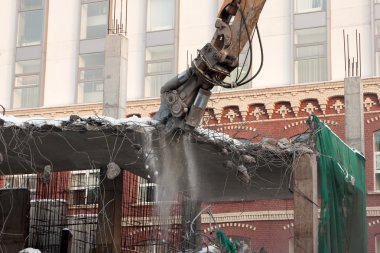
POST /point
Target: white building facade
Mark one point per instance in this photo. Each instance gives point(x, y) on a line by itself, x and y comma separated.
point(52, 52)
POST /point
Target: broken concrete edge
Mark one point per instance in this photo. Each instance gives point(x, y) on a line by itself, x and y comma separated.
point(93, 123)
point(242, 156)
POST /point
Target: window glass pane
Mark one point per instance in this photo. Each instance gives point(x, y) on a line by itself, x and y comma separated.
point(377, 27)
point(78, 197)
point(25, 97)
point(159, 67)
point(153, 84)
point(311, 35)
point(90, 60)
point(311, 70)
point(302, 6)
point(92, 196)
point(27, 67)
point(78, 180)
point(310, 51)
point(94, 20)
point(90, 92)
point(22, 81)
point(30, 27)
point(91, 74)
point(377, 159)
point(377, 181)
point(160, 52)
point(31, 4)
point(377, 63)
point(377, 142)
point(93, 179)
point(160, 15)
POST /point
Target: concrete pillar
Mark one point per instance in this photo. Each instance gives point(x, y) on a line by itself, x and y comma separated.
point(108, 235)
point(354, 114)
point(115, 76)
point(305, 211)
point(190, 209)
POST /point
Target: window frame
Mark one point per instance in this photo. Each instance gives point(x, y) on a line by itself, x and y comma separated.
point(83, 81)
point(375, 153)
point(86, 187)
point(22, 181)
point(29, 74)
point(143, 183)
point(297, 59)
point(296, 11)
point(172, 71)
point(106, 2)
point(148, 26)
point(376, 38)
point(19, 12)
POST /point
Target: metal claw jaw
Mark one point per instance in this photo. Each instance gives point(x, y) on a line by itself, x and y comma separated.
point(183, 102)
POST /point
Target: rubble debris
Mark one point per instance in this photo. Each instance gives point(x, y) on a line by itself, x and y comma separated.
point(248, 159)
point(242, 174)
point(230, 165)
point(46, 174)
point(113, 170)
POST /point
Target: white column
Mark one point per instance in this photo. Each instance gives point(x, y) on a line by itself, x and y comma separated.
point(8, 21)
point(136, 27)
point(62, 52)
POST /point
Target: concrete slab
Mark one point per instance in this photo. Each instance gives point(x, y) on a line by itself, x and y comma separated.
point(216, 167)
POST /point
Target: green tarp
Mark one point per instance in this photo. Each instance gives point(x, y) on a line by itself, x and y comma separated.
point(343, 222)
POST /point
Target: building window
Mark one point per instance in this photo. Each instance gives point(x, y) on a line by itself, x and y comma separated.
point(26, 87)
point(377, 45)
point(291, 245)
point(310, 55)
point(94, 20)
point(377, 160)
point(30, 23)
point(84, 187)
point(303, 6)
point(161, 15)
point(91, 77)
point(28, 181)
point(159, 68)
point(147, 192)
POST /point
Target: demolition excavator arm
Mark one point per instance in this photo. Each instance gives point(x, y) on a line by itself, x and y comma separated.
point(184, 98)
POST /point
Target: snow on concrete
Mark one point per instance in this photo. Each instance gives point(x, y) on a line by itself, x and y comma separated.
point(39, 121)
point(30, 250)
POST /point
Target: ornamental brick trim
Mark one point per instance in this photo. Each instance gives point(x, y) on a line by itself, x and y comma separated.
point(234, 224)
point(250, 216)
point(295, 94)
point(373, 119)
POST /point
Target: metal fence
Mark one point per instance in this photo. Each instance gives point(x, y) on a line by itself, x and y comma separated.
point(69, 200)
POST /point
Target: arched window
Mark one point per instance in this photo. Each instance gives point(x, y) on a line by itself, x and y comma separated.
point(377, 243)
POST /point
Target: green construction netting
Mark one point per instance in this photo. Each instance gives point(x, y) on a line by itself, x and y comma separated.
point(343, 225)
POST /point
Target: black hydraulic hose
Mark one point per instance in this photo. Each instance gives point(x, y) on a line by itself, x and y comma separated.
point(262, 59)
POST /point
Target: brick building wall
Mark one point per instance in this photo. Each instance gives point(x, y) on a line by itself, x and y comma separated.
point(254, 115)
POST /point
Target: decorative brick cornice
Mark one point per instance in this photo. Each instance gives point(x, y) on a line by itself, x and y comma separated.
point(250, 216)
point(373, 211)
point(241, 99)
